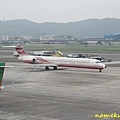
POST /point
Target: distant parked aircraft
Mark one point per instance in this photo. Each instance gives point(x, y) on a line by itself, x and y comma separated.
point(8, 46)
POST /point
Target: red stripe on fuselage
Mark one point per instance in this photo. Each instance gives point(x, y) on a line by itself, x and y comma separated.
point(81, 66)
point(41, 59)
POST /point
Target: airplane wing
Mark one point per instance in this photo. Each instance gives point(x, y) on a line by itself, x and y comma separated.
point(8, 46)
point(6, 66)
point(112, 64)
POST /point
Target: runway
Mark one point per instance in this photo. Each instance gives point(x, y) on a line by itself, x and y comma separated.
point(64, 94)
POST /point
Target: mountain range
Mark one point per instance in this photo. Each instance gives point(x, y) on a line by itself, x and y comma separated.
point(86, 28)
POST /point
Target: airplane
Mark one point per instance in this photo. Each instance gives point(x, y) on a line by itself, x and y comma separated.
point(48, 61)
point(2, 67)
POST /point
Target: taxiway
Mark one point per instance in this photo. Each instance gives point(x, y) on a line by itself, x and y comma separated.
point(64, 94)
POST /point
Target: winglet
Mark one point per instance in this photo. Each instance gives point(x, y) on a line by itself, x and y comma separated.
point(2, 66)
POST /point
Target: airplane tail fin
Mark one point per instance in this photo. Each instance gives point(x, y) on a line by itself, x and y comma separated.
point(58, 54)
point(20, 50)
point(2, 67)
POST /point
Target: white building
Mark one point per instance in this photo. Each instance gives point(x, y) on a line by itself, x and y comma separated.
point(4, 38)
point(47, 37)
point(27, 37)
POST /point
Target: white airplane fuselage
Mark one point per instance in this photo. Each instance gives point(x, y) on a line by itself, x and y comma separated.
point(64, 62)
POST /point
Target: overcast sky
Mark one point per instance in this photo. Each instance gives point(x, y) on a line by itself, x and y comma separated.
point(58, 10)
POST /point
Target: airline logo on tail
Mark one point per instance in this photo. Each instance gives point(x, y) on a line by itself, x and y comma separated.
point(20, 50)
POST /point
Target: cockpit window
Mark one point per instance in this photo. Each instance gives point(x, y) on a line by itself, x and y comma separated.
point(97, 62)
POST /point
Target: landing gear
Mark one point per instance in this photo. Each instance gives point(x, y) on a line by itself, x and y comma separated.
point(100, 70)
point(46, 68)
point(55, 67)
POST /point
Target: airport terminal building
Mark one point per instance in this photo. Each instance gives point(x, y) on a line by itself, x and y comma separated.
point(112, 36)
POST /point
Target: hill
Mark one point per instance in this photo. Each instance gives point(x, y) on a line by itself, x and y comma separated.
point(86, 28)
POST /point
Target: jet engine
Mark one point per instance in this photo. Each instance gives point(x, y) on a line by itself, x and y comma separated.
point(33, 59)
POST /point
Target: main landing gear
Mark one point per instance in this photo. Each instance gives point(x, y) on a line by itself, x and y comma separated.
point(54, 67)
point(46, 68)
